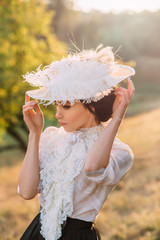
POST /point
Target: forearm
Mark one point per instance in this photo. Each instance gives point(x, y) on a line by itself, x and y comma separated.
point(29, 175)
point(98, 156)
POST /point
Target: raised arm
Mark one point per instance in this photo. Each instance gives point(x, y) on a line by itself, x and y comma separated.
point(29, 175)
point(99, 155)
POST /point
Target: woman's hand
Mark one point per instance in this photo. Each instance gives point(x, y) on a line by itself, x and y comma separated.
point(123, 99)
point(33, 116)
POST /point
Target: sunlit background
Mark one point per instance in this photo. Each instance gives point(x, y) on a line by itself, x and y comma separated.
point(35, 32)
point(117, 5)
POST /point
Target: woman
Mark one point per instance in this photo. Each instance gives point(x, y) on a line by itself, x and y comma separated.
point(76, 166)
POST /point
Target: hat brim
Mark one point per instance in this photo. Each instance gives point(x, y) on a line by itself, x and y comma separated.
point(122, 72)
point(40, 94)
point(118, 74)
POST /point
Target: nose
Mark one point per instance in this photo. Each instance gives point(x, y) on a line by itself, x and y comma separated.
point(59, 114)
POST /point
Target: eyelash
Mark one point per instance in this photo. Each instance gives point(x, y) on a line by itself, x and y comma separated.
point(66, 107)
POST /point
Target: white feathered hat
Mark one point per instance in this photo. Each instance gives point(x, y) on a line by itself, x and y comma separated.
point(88, 76)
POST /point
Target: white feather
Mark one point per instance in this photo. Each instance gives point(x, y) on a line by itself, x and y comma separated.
point(86, 76)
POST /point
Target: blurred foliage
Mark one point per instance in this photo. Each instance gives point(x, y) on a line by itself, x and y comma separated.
point(32, 32)
point(26, 41)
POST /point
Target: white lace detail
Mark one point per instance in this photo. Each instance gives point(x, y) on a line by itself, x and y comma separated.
point(62, 157)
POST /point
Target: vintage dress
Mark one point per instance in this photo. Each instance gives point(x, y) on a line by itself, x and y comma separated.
point(65, 189)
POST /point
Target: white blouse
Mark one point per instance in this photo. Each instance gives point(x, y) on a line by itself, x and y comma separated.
point(65, 188)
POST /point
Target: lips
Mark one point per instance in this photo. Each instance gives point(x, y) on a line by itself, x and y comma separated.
point(62, 124)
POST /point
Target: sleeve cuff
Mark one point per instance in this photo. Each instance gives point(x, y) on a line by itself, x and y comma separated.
point(94, 173)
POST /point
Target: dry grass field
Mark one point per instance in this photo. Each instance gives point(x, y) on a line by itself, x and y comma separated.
point(133, 209)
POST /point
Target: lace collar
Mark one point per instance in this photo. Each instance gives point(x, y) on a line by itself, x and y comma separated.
point(89, 130)
point(88, 133)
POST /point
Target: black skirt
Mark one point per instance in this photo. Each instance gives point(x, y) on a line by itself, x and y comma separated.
point(72, 229)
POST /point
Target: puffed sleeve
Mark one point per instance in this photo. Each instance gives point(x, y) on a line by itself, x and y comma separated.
point(120, 162)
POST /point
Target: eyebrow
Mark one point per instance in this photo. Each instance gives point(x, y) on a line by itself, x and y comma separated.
point(67, 103)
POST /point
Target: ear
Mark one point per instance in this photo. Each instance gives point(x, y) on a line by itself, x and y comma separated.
point(93, 109)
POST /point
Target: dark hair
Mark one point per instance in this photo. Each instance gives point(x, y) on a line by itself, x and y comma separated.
point(103, 108)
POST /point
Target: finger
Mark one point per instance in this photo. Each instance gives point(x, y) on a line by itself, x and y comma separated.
point(119, 93)
point(26, 98)
point(123, 97)
point(27, 108)
point(130, 86)
point(124, 90)
point(37, 108)
point(32, 103)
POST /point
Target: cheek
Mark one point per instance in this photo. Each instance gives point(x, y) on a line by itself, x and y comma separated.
point(78, 115)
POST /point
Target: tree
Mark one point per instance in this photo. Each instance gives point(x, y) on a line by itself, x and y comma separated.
point(26, 42)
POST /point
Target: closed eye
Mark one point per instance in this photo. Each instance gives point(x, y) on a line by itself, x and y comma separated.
point(66, 106)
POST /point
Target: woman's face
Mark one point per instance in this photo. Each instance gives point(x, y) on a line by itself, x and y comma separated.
point(74, 117)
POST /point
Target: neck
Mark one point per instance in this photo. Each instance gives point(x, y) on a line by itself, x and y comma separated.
point(91, 122)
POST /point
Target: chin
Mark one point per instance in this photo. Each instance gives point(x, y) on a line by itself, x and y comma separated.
point(69, 129)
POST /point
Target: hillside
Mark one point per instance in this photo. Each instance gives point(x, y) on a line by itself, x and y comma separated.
point(131, 212)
